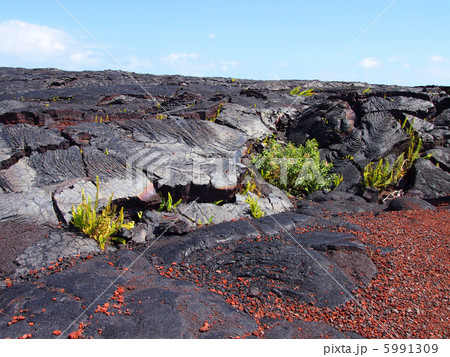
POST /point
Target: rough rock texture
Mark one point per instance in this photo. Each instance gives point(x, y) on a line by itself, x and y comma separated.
point(46, 252)
point(15, 239)
point(34, 206)
point(191, 137)
point(336, 202)
point(430, 180)
point(409, 203)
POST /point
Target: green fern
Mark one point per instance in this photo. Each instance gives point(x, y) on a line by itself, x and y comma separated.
point(304, 93)
point(101, 227)
point(382, 175)
point(168, 204)
point(255, 209)
point(379, 176)
point(208, 222)
point(295, 169)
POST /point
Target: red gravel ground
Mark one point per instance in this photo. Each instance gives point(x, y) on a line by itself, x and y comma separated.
point(409, 298)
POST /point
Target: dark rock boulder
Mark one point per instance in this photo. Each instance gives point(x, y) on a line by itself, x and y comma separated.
point(440, 156)
point(328, 121)
point(408, 203)
point(351, 176)
point(243, 119)
point(431, 180)
point(399, 103)
point(335, 202)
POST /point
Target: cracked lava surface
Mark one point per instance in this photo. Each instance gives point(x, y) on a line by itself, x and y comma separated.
point(408, 298)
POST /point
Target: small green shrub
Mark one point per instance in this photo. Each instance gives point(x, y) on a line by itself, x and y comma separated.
point(255, 209)
point(382, 175)
point(249, 187)
point(208, 222)
point(304, 93)
point(168, 204)
point(295, 169)
point(101, 227)
point(216, 114)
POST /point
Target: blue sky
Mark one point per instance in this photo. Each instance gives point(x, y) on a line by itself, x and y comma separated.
point(408, 45)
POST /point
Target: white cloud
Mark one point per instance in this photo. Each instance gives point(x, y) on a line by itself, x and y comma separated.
point(81, 56)
point(194, 64)
point(18, 38)
point(212, 35)
point(175, 58)
point(395, 59)
point(403, 61)
point(436, 59)
point(369, 62)
point(437, 75)
point(226, 65)
point(26, 44)
point(133, 63)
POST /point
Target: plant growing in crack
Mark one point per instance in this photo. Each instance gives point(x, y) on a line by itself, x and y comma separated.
point(383, 175)
point(305, 93)
point(214, 117)
point(101, 227)
point(168, 205)
point(295, 169)
point(208, 222)
point(255, 208)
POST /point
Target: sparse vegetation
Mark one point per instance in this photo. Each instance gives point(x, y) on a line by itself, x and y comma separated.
point(168, 205)
point(214, 117)
point(295, 169)
point(383, 175)
point(255, 208)
point(249, 187)
point(304, 93)
point(101, 227)
point(100, 119)
point(208, 222)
